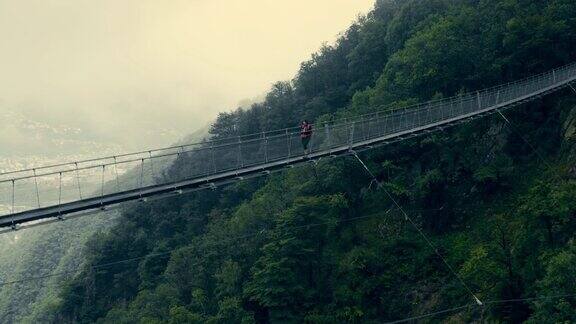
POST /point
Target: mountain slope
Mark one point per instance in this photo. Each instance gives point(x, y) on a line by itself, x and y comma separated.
point(319, 244)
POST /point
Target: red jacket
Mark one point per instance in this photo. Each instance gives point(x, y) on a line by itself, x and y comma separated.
point(306, 130)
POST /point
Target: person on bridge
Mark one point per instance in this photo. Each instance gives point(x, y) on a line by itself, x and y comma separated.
point(305, 134)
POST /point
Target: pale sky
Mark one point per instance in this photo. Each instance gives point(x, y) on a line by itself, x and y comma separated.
point(153, 70)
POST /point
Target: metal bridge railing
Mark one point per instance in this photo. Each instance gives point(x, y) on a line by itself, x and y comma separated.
point(55, 185)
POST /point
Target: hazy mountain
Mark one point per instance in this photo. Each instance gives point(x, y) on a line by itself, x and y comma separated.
point(29, 141)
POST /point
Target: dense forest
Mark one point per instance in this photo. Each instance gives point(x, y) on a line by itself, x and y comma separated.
point(318, 244)
point(41, 252)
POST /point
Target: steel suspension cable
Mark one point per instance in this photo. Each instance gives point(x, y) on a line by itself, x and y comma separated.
point(489, 302)
point(523, 138)
point(413, 318)
point(424, 236)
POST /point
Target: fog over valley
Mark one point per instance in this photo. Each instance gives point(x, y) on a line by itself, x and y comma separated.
point(81, 78)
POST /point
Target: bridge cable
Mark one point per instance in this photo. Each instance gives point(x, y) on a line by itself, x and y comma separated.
point(516, 130)
point(502, 301)
point(413, 318)
point(428, 241)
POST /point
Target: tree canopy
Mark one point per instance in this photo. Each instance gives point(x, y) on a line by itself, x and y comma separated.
point(318, 244)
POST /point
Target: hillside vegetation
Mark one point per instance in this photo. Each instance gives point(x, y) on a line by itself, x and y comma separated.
point(318, 244)
point(37, 252)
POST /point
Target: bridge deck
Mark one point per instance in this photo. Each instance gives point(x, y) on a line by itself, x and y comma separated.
point(228, 160)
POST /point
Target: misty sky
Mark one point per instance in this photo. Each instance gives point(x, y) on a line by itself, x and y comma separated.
point(151, 70)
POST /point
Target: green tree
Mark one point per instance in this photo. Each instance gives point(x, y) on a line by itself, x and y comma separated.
point(559, 284)
point(286, 279)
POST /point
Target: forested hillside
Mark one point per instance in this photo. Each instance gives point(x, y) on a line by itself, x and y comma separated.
point(38, 252)
point(318, 244)
point(52, 252)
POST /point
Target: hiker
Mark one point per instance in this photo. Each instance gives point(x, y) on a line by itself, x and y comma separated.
point(305, 134)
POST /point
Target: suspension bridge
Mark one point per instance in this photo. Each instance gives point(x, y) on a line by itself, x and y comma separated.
point(54, 191)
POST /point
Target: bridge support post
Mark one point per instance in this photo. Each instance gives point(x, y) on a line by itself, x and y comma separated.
point(102, 181)
point(240, 161)
point(60, 188)
point(365, 127)
point(479, 103)
point(36, 184)
point(351, 138)
point(116, 172)
point(328, 138)
point(141, 173)
point(152, 176)
point(13, 196)
point(289, 143)
point(266, 149)
point(212, 158)
point(442, 112)
point(78, 180)
point(378, 126)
